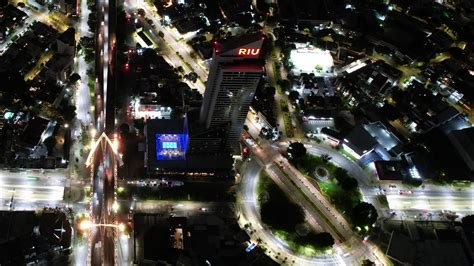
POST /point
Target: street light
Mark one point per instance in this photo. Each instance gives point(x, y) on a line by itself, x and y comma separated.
point(115, 206)
point(85, 225)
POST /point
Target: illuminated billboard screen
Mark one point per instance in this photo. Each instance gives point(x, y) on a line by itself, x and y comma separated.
point(171, 146)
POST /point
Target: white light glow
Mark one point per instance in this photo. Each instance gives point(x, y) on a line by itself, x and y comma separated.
point(309, 59)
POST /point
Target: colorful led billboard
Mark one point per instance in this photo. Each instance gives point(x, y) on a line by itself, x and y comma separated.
point(171, 146)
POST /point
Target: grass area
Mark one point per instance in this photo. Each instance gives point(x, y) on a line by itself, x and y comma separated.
point(264, 181)
point(276, 70)
point(299, 244)
point(316, 208)
point(288, 127)
point(284, 105)
point(90, 83)
point(308, 164)
point(461, 184)
point(321, 171)
point(286, 118)
point(343, 200)
point(283, 224)
point(279, 89)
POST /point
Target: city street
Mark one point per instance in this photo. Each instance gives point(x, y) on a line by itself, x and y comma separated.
point(32, 188)
point(82, 97)
point(172, 44)
point(251, 214)
point(321, 213)
point(294, 183)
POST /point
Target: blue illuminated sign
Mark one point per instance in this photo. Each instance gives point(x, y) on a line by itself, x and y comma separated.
point(170, 145)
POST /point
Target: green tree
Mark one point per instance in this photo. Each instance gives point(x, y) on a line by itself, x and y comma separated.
point(364, 214)
point(296, 150)
point(50, 142)
point(468, 220)
point(323, 240)
point(139, 124)
point(294, 95)
point(69, 112)
point(346, 182)
point(284, 84)
point(367, 262)
point(74, 78)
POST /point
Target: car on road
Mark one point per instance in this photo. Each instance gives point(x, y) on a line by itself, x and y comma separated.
point(250, 142)
point(250, 247)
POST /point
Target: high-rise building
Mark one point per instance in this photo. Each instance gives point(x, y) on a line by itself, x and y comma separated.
point(236, 70)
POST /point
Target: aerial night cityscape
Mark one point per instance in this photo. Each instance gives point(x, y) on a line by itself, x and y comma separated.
point(236, 132)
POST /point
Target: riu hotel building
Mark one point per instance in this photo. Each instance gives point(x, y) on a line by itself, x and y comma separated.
point(237, 68)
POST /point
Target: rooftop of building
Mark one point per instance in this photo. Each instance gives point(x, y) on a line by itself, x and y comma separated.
point(33, 131)
point(390, 170)
point(166, 126)
point(68, 36)
point(360, 140)
point(426, 252)
point(382, 135)
point(307, 10)
point(235, 42)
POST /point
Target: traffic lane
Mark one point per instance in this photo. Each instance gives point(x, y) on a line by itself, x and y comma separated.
point(33, 181)
point(169, 38)
point(337, 220)
point(39, 174)
point(451, 203)
point(419, 192)
point(202, 73)
point(31, 193)
point(172, 58)
point(309, 190)
point(296, 195)
point(95, 247)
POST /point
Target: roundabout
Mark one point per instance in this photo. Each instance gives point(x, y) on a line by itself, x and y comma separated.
point(275, 247)
point(321, 173)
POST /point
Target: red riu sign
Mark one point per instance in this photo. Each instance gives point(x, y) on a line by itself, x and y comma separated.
point(249, 51)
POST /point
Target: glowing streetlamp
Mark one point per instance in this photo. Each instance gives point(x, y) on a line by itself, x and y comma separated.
point(93, 132)
point(85, 225)
point(121, 227)
point(115, 206)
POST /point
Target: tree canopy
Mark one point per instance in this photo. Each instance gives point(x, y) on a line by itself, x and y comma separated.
point(319, 241)
point(50, 142)
point(468, 220)
point(74, 77)
point(364, 214)
point(294, 95)
point(346, 182)
point(279, 212)
point(296, 150)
